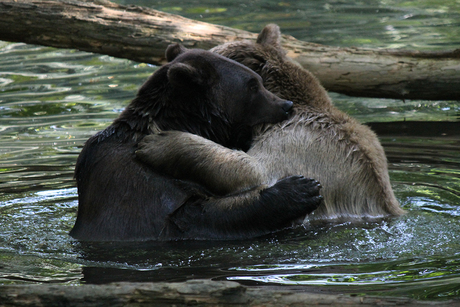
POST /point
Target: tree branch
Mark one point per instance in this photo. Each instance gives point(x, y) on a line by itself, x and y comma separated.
point(142, 34)
point(193, 292)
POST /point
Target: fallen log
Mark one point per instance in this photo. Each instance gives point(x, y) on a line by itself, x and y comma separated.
point(142, 34)
point(193, 292)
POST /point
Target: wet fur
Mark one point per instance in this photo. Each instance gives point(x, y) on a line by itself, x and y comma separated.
point(318, 141)
point(122, 198)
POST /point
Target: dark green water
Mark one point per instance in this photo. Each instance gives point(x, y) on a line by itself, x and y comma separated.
point(52, 100)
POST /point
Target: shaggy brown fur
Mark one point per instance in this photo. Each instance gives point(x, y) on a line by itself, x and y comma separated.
point(122, 198)
point(319, 141)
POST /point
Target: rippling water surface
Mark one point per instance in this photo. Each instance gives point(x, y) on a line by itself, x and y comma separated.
point(52, 100)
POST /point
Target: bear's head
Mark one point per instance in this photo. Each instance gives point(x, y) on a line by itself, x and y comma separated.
point(205, 94)
point(281, 75)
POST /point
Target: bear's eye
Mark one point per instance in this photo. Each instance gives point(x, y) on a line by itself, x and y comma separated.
point(253, 85)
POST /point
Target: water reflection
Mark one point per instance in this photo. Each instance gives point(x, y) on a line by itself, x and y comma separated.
point(51, 101)
point(388, 24)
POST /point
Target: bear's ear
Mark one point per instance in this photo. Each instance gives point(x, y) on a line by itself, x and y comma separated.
point(270, 35)
point(173, 51)
point(181, 75)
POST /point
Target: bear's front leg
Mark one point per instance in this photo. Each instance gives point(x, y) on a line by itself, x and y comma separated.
point(183, 155)
point(244, 215)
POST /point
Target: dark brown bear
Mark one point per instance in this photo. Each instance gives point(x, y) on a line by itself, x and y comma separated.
point(319, 141)
point(121, 198)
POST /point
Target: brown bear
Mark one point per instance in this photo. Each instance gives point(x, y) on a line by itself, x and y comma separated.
point(318, 141)
point(199, 92)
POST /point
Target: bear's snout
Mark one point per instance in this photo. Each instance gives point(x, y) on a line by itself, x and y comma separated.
point(287, 106)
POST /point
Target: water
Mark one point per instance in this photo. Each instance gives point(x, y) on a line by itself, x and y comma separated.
point(52, 100)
